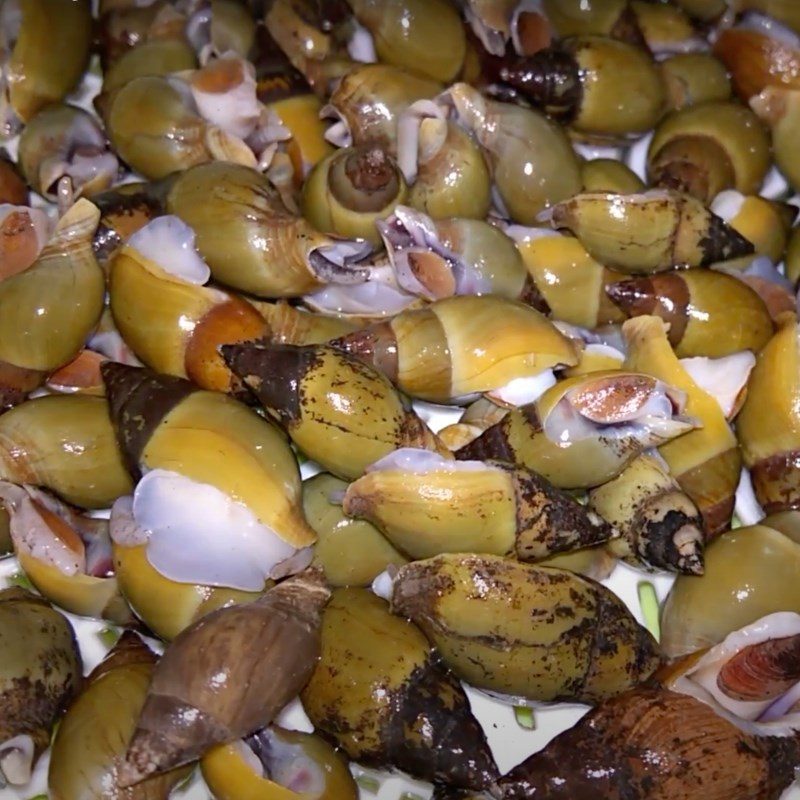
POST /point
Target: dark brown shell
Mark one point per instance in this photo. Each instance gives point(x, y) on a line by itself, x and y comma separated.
point(228, 675)
point(651, 744)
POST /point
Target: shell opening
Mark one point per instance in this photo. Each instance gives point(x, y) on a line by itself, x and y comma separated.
point(725, 379)
point(614, 408)
point(338, 262)
point(378, 295)
point(52, 533)
point(16, 760)
point(408, 135)
point(521, 391)
point(82, 156)
point(530, 28)
point(338, 134)
point(752, 678)
point(169, 242)
point(198, 534)
point(423, 265)
point(286, 763)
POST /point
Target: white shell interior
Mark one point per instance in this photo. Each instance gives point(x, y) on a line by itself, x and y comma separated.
point(169, 242)
point(197, 534)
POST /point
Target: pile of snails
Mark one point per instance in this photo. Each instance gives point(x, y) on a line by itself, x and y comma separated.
point(289, 233)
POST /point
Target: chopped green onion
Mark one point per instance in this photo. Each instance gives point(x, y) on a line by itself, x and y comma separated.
point(648, 600)
point(21, 579)
point(108, 636)
point(409, 796)
point(368, 783)
point(525, 718)
point(39, 797)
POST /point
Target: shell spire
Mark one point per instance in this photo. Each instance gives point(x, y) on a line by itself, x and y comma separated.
point(200, 697)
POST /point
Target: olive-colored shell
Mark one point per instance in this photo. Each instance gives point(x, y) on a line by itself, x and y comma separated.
point(525, 631)
point(231, 774)
point(423, 36)
point(706, 462)
point(570, 281)
point(289, 324)
point(440, 353)
point(749, 573)
point(65, 444)
point(732, 147)
point(351, 552)
point(244, 232)
point(499, 509)
point(167, 423)
point(791, 260)
point(699, 305)
point(370, 98)
point(766, 223)
point(39, 73)
point(609, 175)
point(176, 327)
point(352, 188)
point(704, 10)
point(650, 232)
point(578, 81)
point(338, 411)
point(664, 28)
point(532, 161)
point(653, 744)
point(381, 693)
point(159, 57)
point(579, 17)
point(596, 563)
point(37, 520)
point(53, 138)
point(308, 146)
point(89, 746)
point(454, 180)
point(153, 129)
point(660, 525)
point(780, 109)
point(51, 308)
point(200, 697)
point(520, 437)
point(768, 425)
point(693, 78)
point(165, 606)
point(39, 674)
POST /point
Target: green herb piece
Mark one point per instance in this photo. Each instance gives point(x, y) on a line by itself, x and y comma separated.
point(525, 718)
point(648, 600)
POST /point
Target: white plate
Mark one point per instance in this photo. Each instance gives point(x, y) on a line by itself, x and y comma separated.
point(509, 742)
